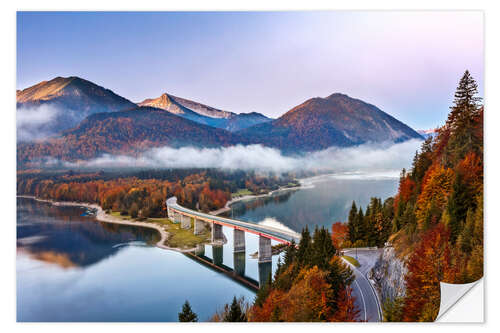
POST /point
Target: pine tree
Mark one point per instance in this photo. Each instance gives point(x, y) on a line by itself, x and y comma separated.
point(235, 313)
point(361, 225)
point(290, 254)
point(322, 248)
point(465, 239)
point(303, 253)
point(461, 118)
point(393, 309)
point(187, 315)
point(465, 101)
point(459, 203)
point(351, 223)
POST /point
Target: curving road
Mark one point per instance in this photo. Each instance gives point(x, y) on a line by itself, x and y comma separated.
point(366, 297)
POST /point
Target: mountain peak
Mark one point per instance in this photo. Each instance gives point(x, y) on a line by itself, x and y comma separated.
point(337, 120)
point(74, 99)
point(338, 95)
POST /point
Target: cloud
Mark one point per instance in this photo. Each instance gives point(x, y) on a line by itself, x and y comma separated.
point(364, 158)
point(35, 123)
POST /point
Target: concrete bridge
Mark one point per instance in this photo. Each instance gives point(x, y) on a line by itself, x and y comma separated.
point(183, 215)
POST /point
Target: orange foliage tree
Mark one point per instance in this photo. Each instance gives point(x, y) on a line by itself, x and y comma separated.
point(340, 233)
point(430, 263)
point(435, 191)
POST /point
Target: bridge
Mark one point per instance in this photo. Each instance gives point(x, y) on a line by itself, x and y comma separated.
point(202, 221)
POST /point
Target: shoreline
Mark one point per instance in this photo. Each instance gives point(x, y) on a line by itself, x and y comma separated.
point(227, 206)
point(102, 216)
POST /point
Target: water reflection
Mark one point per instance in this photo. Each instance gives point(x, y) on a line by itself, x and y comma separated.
point(265, 271)
point(71, 268)
point(218, 254)
point(60, 235)
point(239, 263)
point(328, 201)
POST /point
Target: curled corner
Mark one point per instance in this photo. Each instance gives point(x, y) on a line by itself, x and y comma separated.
point(451, 294)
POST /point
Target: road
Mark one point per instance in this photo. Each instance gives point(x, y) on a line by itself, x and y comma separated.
point(366, 297)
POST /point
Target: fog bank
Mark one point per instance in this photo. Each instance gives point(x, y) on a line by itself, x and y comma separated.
point(363, 158)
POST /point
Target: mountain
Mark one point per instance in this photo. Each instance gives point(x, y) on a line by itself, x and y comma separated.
point(126, 132)
point(428, 132)
point(171, 104)
point(204, 114)
point(71, 98)
point(337, 120)
point(202, 109)
point(241, 121)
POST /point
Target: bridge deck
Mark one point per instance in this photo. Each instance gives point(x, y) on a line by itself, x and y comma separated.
point(279, 235)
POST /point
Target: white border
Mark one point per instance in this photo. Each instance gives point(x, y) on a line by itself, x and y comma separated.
point(7, 132)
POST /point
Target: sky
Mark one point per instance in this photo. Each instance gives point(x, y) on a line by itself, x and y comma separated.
point(406, 63)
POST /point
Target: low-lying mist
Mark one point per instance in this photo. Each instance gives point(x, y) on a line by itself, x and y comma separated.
point(34, 123)
point(363, 158)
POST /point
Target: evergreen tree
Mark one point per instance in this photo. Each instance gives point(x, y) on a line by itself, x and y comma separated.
point(303, 253)
point(187, 315)
point(322, 249)
point(361, 225)
point(235, 314)
point(461, 118)
point(465, 102)
point(290, 254)
point(351, 223)
point(459, 203)
point(466, 236)
point(393, 309)
point(410, 220)
point(339, 276)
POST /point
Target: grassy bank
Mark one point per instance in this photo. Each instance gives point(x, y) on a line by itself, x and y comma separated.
point(352, 260)
point(241, 192)
point(178, 237)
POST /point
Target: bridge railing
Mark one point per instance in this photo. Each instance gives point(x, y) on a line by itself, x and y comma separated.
point(272, 232)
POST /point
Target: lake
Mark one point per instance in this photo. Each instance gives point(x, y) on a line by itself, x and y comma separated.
point(71, 267)
point(322, 201)
point(74, 268)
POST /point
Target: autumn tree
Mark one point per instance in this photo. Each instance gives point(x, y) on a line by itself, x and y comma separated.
point(429, 264)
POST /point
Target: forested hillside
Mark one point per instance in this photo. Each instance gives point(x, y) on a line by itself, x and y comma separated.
point(143, 193)
point(435, 222)
point(311, 285)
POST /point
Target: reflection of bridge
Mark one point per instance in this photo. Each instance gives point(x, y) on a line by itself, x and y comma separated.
point(184, 215)
point(238, 272)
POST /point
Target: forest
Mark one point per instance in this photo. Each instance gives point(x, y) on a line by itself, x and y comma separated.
point(312, 284)
point(435, 221)
point(141, 194)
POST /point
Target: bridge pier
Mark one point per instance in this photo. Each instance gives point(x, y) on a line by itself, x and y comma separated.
point(199, 226)
point(177, 217)
point(265, 250)
point(217, 234)
point(239, 240)
point(185, 222)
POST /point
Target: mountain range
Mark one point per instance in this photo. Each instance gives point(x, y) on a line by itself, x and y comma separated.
point(204, 114)
point(93, 120)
